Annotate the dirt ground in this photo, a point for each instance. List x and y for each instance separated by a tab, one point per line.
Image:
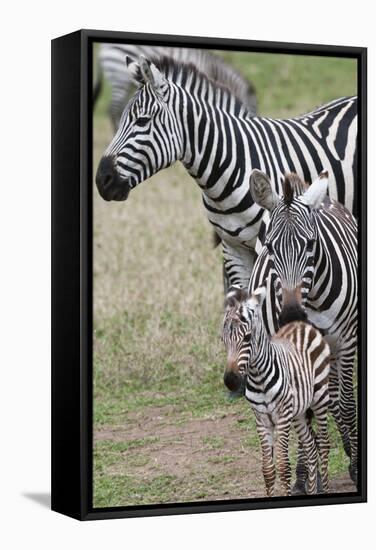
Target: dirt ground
192	453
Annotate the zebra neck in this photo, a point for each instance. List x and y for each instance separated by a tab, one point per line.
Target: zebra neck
262	352
216	152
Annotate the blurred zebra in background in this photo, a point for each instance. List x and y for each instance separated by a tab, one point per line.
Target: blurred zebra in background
286	377
309	264
111	64
178	113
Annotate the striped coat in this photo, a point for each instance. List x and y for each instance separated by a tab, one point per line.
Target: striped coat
309	264
286	376
179	114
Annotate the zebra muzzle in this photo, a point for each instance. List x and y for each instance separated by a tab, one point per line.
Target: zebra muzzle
232	379
292	309
109	185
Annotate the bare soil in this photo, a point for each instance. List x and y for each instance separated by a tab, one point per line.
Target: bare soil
208	457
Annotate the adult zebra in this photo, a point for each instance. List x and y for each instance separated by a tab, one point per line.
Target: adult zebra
111	58
309	263
178	113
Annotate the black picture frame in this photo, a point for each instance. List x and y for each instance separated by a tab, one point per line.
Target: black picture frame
72	316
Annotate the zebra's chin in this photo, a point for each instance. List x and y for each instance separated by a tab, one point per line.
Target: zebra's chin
115	195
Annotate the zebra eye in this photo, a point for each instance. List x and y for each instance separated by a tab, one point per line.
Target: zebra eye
247	338
142	120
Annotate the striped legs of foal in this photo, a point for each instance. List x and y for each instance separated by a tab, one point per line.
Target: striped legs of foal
322	441
268	469
307	440
282	433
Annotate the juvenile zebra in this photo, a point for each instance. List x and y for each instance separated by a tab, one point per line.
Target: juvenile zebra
286	377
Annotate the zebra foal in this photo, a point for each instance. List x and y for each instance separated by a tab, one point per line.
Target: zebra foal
286	377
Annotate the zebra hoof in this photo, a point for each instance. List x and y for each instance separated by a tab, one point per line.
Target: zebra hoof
299	487
353	471
319	487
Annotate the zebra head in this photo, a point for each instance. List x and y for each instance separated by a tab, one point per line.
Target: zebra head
240	332
148	138
291	236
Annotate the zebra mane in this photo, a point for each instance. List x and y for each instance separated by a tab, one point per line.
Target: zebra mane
187	74
292	186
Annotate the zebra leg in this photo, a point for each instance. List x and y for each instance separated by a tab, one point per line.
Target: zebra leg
282	453
226	280
323	447
268	469
239	262
299	487
347	407
334	407
306	437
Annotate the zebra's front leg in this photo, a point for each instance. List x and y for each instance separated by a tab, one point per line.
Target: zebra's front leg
299	487
282	453
323	445
347	407
301	471
238	264
307	440
268	469
334	406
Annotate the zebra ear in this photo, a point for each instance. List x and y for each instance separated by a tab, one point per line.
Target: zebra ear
134	70
234	296
317	191
143	71
152	75
261	190
257	297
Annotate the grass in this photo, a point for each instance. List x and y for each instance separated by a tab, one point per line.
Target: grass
164	427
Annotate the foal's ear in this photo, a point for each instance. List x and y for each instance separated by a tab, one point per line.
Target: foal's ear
234	296
144	71
317	191
261	190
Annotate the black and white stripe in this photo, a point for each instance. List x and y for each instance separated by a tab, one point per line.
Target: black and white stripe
111	63
286	377
309	263
178	113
